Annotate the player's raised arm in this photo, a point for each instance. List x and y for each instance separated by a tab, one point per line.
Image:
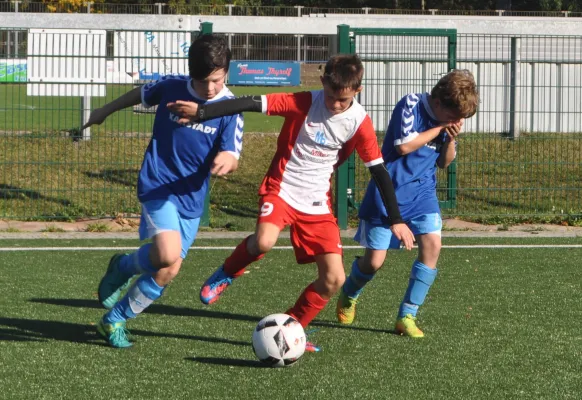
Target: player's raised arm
131	98
282	104
149	95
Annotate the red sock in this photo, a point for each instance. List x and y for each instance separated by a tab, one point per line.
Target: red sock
309	304
239	259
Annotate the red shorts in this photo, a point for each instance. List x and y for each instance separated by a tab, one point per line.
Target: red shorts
310	234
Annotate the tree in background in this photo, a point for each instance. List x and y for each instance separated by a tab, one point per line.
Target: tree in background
249	7
70	6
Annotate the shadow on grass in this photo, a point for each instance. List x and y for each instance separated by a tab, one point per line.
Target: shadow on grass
511	205
12	192
38	330
228	362
194	312
153	309
125	177
235	210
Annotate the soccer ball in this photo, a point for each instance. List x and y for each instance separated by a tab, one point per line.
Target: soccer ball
278	340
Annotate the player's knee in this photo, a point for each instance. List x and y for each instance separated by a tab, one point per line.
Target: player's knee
334	282
432	246
265	243
374	264
339	282
167	257
165	275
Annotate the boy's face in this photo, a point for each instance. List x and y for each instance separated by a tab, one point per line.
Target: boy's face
209	87
338	101
445	115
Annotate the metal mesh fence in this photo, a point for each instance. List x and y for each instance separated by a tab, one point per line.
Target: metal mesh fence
524	168
49	171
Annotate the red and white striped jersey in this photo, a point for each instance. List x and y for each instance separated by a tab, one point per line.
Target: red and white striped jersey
311	144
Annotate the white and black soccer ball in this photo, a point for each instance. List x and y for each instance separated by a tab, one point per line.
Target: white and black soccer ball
279	340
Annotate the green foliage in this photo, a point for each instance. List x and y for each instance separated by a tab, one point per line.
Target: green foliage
98	227
216	7
53	228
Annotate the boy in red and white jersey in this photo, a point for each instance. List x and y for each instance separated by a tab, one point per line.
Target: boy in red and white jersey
321	129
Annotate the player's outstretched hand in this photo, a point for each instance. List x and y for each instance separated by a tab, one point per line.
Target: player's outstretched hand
186	110
97	117
223	163
404	234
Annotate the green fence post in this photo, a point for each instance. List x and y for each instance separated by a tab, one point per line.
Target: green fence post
514	100
342	176
452	169
452	50
206	29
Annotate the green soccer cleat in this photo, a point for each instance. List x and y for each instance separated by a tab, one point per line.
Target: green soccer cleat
115	334
112	284
406	326
346	308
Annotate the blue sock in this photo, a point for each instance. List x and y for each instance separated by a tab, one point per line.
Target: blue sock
356	281
143	293
137	262
421	278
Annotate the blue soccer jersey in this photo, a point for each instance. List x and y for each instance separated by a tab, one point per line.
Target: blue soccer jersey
414	174
176	165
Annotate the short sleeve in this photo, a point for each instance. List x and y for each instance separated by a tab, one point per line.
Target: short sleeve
287	104
406	120
232	135
151	93
366	143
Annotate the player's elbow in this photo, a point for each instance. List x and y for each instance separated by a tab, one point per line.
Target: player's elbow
443	163
402	149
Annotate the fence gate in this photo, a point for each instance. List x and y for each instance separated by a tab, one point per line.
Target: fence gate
396	62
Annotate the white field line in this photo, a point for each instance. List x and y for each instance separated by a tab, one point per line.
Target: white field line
462	246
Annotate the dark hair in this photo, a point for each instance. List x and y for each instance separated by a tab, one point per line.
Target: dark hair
457	91
344	72
207	54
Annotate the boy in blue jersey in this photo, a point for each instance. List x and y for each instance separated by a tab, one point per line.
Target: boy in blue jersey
421	135
173	182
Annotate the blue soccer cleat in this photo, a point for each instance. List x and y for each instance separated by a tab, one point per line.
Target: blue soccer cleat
115	334
215	286
113	283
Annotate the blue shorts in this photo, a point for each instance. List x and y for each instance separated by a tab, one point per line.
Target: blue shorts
161	216
380	237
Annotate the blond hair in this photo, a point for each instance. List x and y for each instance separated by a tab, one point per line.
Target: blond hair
457	91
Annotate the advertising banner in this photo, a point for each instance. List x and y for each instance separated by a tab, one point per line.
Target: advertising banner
12	70
264	73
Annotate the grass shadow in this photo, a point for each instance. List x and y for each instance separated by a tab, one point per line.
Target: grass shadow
125	177
197	312
38	330
228	362
15	193
153	309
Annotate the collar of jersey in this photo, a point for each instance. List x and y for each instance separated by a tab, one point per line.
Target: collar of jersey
348	113
424	98
223	93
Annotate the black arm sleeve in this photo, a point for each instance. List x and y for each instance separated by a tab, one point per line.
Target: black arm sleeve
386	189
230	107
